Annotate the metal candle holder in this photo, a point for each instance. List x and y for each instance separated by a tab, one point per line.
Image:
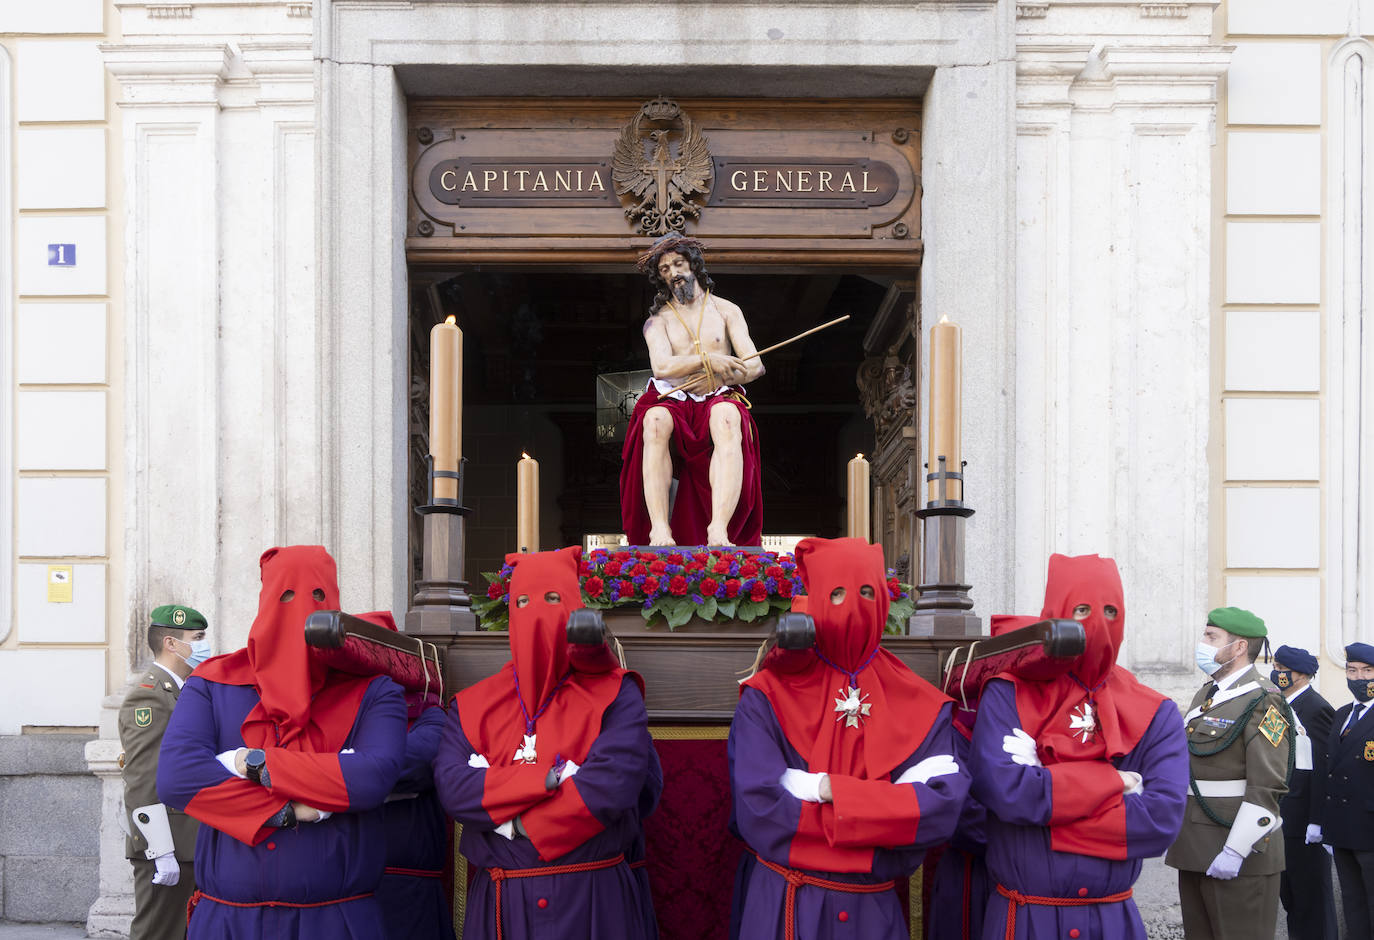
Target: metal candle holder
944	608
442	606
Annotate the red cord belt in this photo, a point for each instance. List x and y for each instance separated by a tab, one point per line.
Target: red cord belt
498	875
795	879
414	872
199	896
1016	899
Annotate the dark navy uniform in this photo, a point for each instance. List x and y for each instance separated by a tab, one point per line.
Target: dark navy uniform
1348	813
1305	888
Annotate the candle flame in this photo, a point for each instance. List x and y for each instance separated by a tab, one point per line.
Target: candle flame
858	456
524	456
944	318
450	320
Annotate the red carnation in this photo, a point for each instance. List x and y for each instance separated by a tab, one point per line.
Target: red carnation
721	567
732	587
647	556
612	569
785	587
496	589
593	586
773	571
701	557
623	556
650	586
678	586
759	592
749	569
894	588
638	571
627	588
675	558
657	567
694	566
708	587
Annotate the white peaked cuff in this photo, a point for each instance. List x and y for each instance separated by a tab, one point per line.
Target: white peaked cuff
1252	824
478	761
804	786
227	760
928	769
569	769
506	829
151	820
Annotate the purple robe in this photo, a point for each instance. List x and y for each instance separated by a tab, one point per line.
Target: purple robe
413	904
619	783
340	857
959	888
1018	800
766	817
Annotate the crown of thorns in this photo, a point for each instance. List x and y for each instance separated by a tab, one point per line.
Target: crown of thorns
647	261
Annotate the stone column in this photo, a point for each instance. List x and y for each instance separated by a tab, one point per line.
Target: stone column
114	907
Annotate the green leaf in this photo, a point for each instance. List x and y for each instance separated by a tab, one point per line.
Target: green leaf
726	609
679	612
749	611
707	610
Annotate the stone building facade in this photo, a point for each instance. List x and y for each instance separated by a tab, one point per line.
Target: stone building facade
1145	216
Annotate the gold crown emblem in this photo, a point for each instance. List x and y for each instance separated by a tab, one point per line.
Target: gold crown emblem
179	617
661	109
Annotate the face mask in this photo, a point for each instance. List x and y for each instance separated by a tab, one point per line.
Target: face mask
1206	658
1362	689
1283	678
200	652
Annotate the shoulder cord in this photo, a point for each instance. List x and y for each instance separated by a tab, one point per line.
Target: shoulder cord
1228	740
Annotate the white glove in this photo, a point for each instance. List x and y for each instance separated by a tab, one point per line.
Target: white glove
1314	834
936	766
1137	782
1021	747
227	759
804	786
569	768
478	761
168	871
507	830
323	815
1226	865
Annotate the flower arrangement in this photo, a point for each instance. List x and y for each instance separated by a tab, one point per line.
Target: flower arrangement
679	583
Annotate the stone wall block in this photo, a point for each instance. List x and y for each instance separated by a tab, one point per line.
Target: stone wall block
49	887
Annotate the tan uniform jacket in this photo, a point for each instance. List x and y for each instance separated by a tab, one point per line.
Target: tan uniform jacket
1254	757
142	720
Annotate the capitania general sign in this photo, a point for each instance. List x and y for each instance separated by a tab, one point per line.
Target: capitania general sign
667	167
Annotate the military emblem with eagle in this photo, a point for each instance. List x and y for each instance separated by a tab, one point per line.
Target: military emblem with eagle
661	183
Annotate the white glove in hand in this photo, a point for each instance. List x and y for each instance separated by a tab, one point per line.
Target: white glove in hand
1131	782
323	815
1021	747
1313	835
1226	865
569	768
168	871
804	786
478	761
507	829
228	760
931	767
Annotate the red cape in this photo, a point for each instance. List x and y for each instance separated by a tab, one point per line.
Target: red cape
1124	707
691	449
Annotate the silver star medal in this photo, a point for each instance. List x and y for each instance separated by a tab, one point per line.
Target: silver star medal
525	752
851	707
1083	722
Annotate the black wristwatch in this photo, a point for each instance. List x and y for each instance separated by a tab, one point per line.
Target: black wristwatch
255	766
285	818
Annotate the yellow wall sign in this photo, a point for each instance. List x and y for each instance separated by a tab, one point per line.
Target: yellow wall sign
59	584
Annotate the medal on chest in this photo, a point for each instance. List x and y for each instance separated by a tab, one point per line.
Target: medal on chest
1083	722
525	752
851	706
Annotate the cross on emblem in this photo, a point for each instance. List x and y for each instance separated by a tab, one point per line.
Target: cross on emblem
525	752
851	706
1083	721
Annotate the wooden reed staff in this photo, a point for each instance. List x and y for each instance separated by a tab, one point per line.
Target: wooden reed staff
814	329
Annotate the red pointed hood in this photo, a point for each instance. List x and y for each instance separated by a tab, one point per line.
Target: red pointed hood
544	591
1094	582
303	704
849	631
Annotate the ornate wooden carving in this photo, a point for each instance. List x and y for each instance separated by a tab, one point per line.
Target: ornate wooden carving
661	185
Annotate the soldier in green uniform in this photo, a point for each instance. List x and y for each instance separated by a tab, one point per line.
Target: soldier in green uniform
1240	742
161	842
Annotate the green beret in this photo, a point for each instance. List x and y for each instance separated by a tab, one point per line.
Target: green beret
178	617
1237	622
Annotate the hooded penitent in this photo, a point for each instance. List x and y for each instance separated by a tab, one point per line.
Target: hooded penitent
1097	711
303	705
539	693
866	734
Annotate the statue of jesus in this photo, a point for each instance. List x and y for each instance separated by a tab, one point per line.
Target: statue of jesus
703	434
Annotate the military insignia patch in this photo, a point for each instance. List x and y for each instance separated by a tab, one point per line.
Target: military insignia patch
1273	726
143	717
179	617
1369	750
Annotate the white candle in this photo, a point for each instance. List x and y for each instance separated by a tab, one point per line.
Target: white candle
446	404
859	497
945	391
527	504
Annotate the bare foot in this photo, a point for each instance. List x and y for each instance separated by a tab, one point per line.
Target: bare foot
662	536
718	535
